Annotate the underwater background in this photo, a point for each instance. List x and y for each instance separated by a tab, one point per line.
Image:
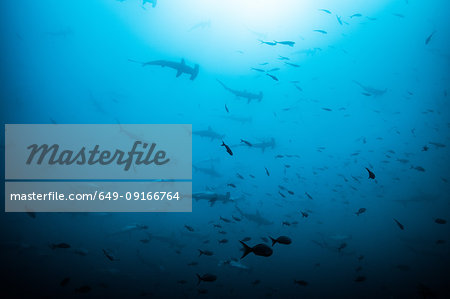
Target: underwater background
311	97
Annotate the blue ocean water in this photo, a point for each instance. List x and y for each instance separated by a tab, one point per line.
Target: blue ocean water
347	87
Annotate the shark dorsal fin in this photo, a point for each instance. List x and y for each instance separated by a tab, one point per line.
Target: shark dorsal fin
182	61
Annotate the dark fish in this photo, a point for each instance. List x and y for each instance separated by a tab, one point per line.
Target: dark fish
273	77
287	223
281	194
301	282
231	185
286	43
226	220
226	108
309	196
267	172
418	168
205	252
64	282
189	228
260	250
274	69
371	174
290	192
206	277
222	232
282	240
327	109
360	278
236	218
320	31
228	148
399	224
223	241
429	37
304	214
326	10
258	70
342	246
59	245
292	64
425	148
239	176
109	255
360	211
440	221
218	225
246	142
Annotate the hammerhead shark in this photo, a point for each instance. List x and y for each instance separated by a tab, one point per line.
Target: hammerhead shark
243	94
181	67
257	218
262	145
370	90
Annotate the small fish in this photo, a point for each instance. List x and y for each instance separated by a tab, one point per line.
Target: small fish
326	10
283	57
236	218
259	249
64	282
109	255
231	185
371	174
360	278
327	109
425	148
429	37
239	176
290	192
418	168
274	69
342	246
321	31
304	214
226	220
301	282
355	15
267	172
338	18
246	142
273	77
258	70
309	196
206	277
205	252
189	228
217	225
440	221
59	245
292	64
286	43
281	194
282	240
228	148
226	108
287	223
399	224
223	241
360	211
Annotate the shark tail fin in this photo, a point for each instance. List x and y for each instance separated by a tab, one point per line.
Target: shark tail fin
195	72
247	249
200	252
199	278
273	240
